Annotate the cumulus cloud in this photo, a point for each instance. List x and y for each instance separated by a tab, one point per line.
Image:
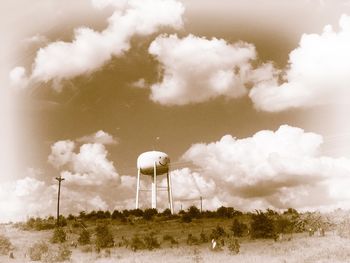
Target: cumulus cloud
18	77
90	49
90	166
98	137
61	153
318	72
196	69
270	169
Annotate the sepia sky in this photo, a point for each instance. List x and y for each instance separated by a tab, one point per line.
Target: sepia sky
249	100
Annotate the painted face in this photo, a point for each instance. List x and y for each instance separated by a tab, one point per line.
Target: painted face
163	160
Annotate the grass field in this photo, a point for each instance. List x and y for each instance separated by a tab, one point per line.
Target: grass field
295	248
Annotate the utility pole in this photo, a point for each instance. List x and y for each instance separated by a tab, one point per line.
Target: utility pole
201	203
59	179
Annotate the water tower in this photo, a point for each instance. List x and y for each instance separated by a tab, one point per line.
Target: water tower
154	164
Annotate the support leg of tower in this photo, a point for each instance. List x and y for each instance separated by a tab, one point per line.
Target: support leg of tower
138	188
170	193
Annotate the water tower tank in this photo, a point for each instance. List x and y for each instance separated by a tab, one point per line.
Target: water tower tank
147	160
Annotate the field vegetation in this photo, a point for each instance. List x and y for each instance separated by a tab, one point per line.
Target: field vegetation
208	236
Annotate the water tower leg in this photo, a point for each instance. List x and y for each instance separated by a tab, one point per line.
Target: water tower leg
137	188
154	187
170	193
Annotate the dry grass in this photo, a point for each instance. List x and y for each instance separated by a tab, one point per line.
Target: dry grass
301	248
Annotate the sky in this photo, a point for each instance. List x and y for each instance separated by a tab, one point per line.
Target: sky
249	100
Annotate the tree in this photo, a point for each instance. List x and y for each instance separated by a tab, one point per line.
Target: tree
194	212
238	228
262	226
149	213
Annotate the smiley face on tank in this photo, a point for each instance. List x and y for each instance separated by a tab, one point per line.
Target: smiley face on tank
146	160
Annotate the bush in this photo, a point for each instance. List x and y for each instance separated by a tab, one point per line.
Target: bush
150	213
151	241
5	245
192	240
238	228
233	246
84	237
64	253
203	237
37	251
137	243
218	232
262	226
166	212
186	218
104	237
59	235
194	212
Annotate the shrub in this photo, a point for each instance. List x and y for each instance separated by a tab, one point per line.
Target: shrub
194	212
136	212
37	251
192	240
150	213
233	246
5	245
284	225
203	237
166	212
59	235
151	241
186	218
104	237
218	232
64	253
262	226
137	243
84	237
116	215
238	228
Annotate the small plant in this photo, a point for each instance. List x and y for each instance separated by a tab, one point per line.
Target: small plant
64	253
203	237
37	251
137	243
150	213
104	237
218	232
233	246
192	240
5	245
59	235
151	241
238	228
170	238
186	218
84	237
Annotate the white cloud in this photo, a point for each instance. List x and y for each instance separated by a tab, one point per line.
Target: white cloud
98	137
90	49
270	169
91	167
141	84
61	153
18	77
197	69
190	185
318	72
